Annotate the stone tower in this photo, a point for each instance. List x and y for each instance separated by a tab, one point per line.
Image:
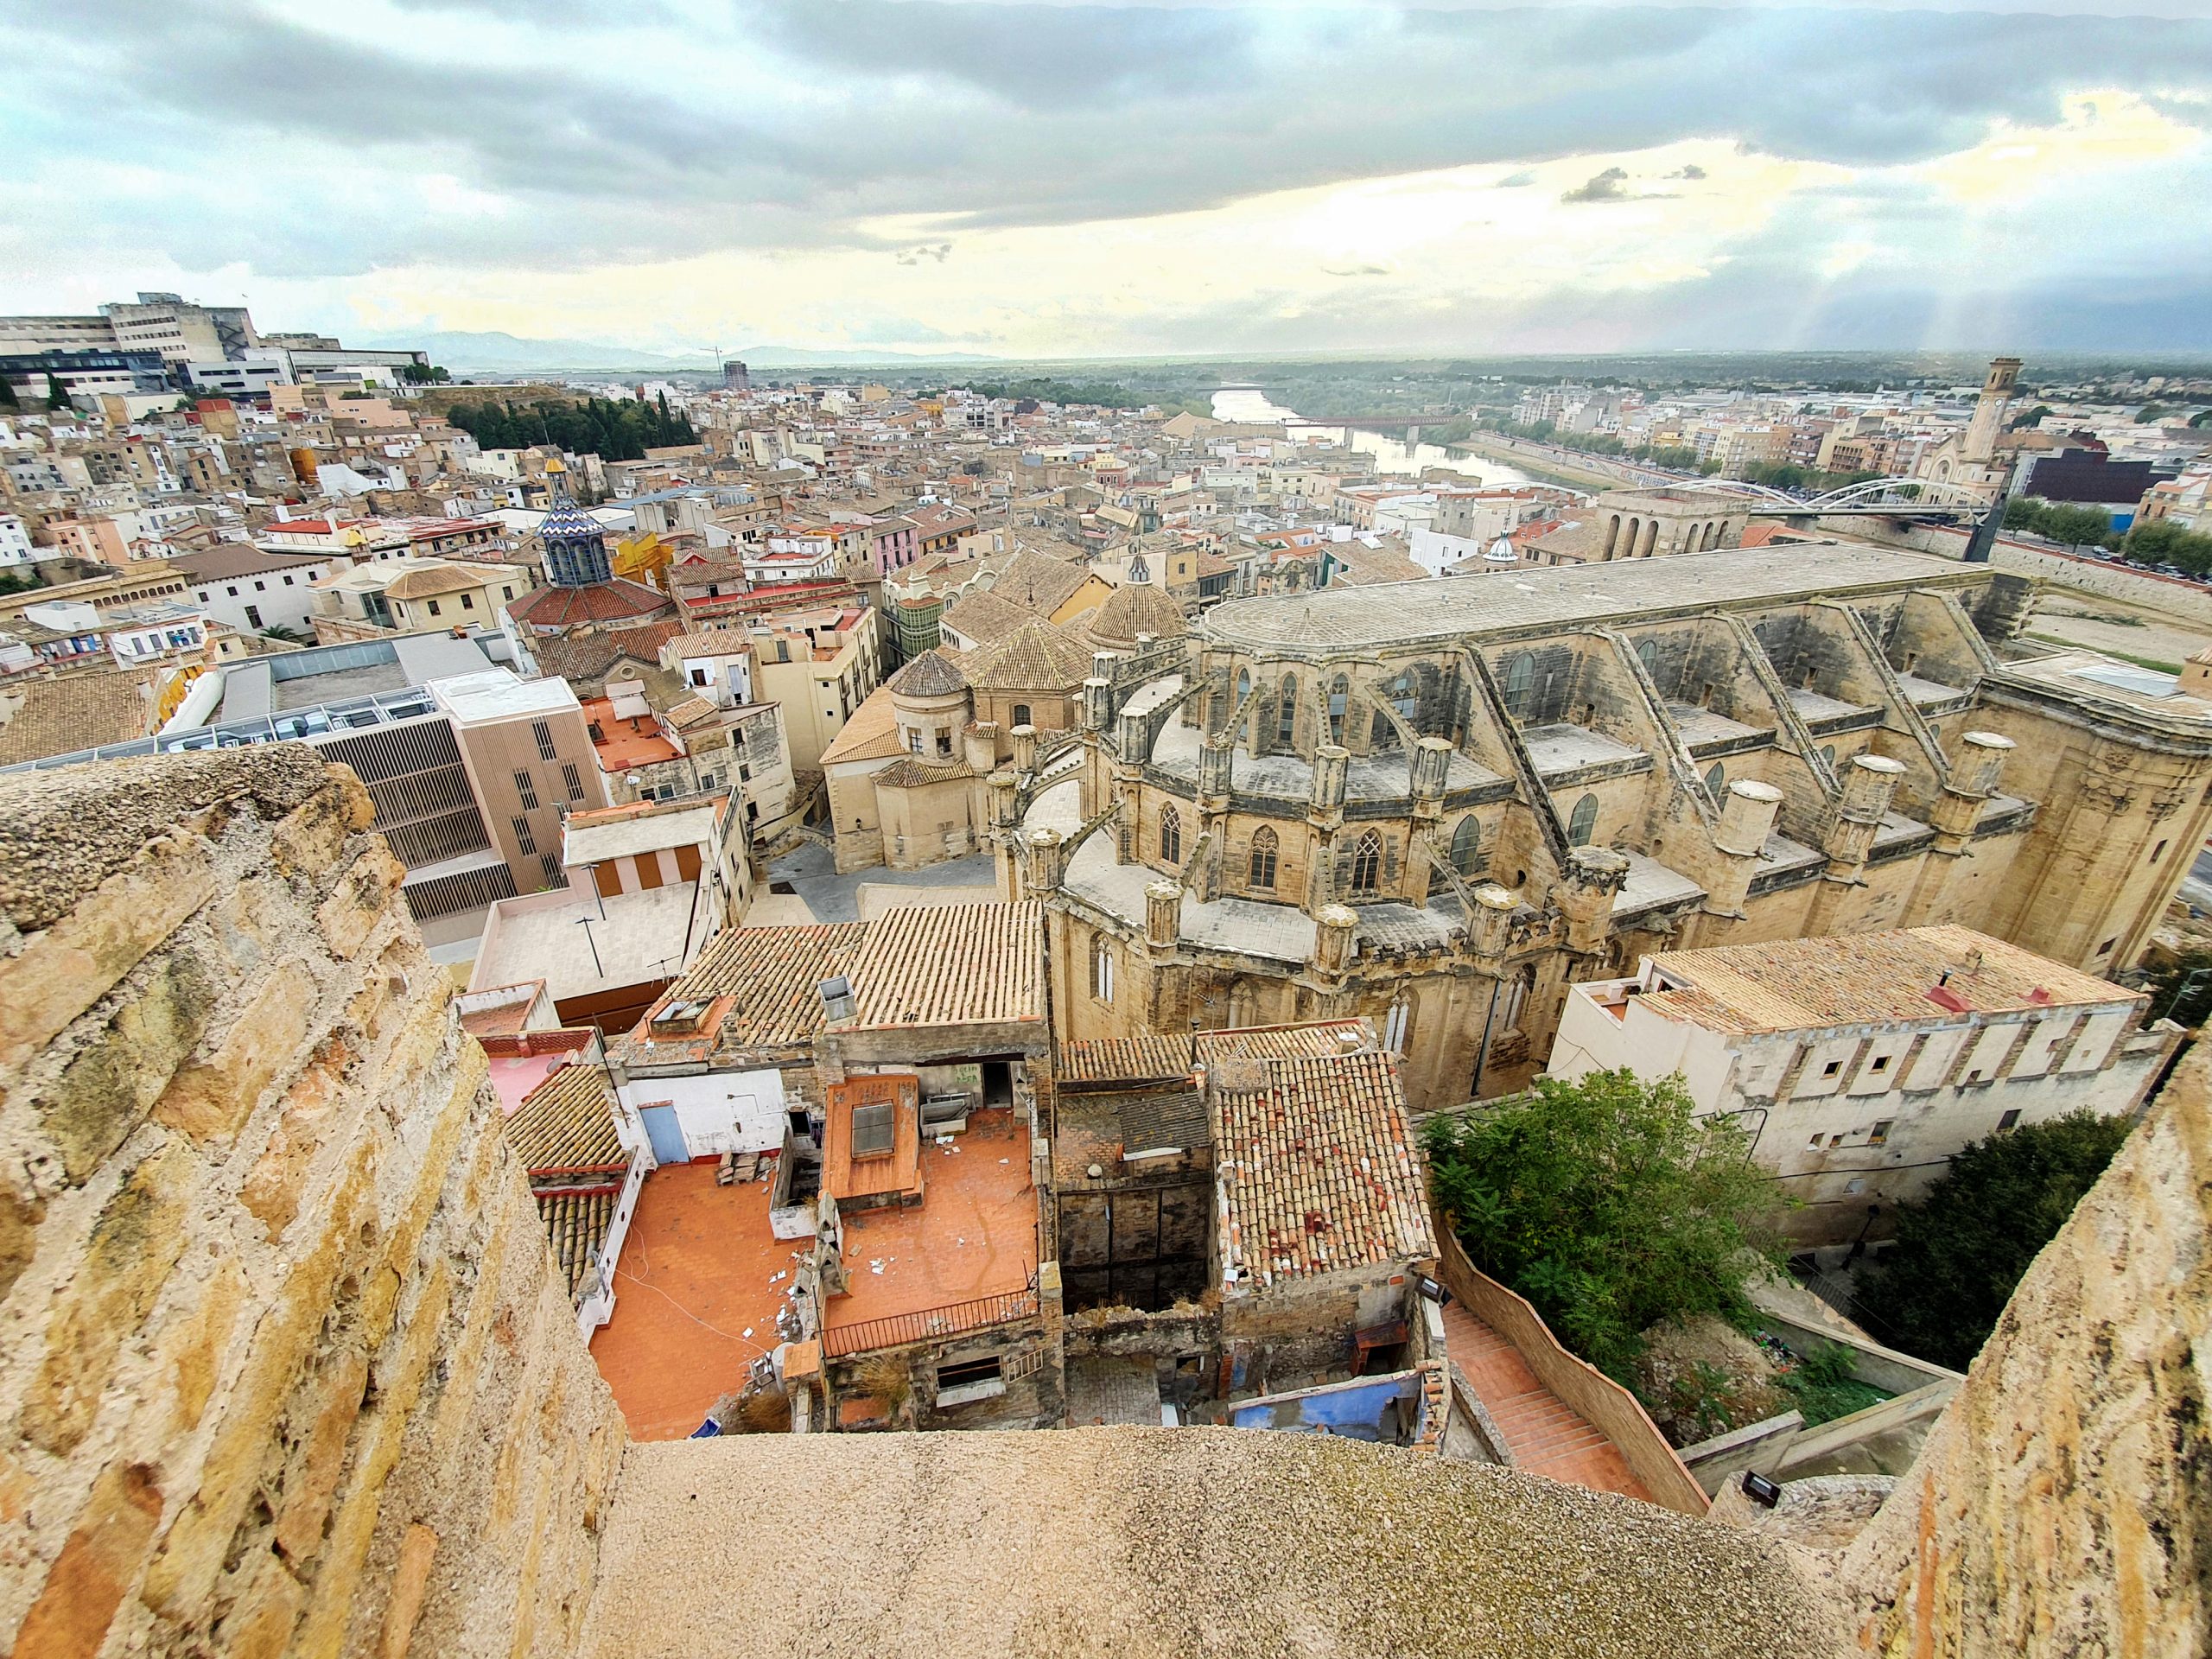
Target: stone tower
1989	409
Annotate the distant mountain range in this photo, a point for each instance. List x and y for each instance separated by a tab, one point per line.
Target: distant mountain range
467	352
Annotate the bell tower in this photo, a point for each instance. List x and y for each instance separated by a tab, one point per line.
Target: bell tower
575	545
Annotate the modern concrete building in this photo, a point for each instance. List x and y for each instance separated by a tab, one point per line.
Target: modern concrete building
1861	1065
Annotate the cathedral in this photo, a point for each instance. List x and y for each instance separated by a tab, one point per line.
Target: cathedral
1439	807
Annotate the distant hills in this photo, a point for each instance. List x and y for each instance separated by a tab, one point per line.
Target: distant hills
465	352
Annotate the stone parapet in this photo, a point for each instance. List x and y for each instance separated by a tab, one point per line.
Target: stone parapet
287	1366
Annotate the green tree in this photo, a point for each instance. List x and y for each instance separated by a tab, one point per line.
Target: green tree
1939	1289
56	395
1608	1204
2150	412
2180	990
7	393
2033	418
2163	541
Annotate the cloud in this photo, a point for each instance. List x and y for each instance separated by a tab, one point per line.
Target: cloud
406	158
1601	187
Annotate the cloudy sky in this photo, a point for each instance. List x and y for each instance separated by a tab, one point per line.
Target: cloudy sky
1059	180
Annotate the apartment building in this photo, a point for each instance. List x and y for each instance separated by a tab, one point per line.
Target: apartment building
528	751
1863	1065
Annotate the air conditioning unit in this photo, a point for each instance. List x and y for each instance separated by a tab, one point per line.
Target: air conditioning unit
945	1114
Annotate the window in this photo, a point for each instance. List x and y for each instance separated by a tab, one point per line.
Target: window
2105	950
1339	695
468	601
1827	752
574	780
1881	1064
525	842
253	616
1584	824
527	787
543	734
1397	1026
1467	846
970	1380
1170	835
915	741
232	592
1716	780
260	587
1101	971
506	593
1243	684
872	1129
944	742
1021	714
1832	1068
1647	652
1262	872
433	607
1520	679
2008	1119
288	582
2157	852
1367	864
1814	1143
1286	711
1880	1133
551	868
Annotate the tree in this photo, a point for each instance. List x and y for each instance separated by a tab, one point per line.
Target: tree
2161	541
2150	412
1607	1203
1960	1250
7	393
56	395
2028	422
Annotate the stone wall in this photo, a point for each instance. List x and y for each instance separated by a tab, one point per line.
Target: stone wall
284	1367
2063	1504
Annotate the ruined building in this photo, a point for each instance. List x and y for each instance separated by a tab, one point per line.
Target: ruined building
290	1367
1439	806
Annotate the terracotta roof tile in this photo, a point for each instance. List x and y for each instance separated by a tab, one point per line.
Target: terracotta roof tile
1317	1168
1035	657
952	964
567	1124
577	1223
1153	1057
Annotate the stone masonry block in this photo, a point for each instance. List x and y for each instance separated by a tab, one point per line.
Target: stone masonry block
107	1091
279	1176
260	1623
133	1247
64	970
313	836
364	893
210	1098
90	1577
19	1220
312	1482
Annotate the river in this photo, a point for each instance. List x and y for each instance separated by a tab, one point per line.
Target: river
1249	405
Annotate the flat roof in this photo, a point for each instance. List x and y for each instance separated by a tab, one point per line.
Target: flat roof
1559	596
594	943
1868	979
500	694
634	833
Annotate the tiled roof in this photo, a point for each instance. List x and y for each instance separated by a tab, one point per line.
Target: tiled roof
1316	1038
1035	657
577	1221
983	616
1126	1059
428	582
932	673
229	560
70	712
566	1123
1133	608
871	735
951	964
1317	1168
1038	582
602	601
710	642
1154	1119
1868	978
910	771
774	975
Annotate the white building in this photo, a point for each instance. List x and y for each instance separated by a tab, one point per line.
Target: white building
1862	1064
15	547
242	587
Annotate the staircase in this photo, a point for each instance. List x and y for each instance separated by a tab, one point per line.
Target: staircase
1542	1435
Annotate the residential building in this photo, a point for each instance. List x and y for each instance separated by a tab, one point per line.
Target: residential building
242	587
407	594
1861	1065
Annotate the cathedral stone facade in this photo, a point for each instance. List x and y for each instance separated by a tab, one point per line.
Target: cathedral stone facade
1439	804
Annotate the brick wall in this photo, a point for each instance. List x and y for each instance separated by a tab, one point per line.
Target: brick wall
286	1367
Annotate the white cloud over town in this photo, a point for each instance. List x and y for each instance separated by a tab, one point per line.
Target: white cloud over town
1033	180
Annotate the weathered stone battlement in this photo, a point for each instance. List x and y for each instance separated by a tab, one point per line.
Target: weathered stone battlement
283	1366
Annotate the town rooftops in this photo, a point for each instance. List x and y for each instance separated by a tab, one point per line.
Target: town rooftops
1316	1167
1866	979
981	615
1152	1058
1406	614
951	964
1037	656
1038	582
227	561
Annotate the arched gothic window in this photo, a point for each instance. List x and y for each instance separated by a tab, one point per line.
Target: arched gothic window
1716	780
1170	835
1647	652
1287	711
1263	873
1243	684
1520	679
1367	865
1339	695
1467	846
1584	824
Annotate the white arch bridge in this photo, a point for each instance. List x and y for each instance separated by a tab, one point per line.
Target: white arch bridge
1894	498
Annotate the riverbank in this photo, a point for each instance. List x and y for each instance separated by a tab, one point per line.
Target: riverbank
1540	464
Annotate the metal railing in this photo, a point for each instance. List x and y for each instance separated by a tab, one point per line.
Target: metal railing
897	1329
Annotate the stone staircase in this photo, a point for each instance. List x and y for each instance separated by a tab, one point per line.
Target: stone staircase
1543	1435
